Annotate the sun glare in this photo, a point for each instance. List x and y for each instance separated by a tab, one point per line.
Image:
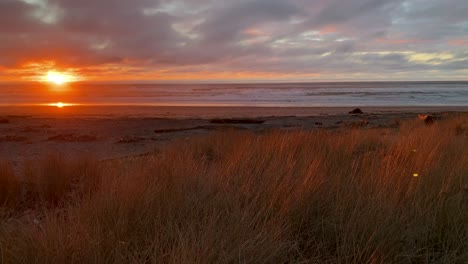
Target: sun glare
60	104
58	78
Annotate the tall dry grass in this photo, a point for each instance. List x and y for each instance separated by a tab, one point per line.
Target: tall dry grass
237	197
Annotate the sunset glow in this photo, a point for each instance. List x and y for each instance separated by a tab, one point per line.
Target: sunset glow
58	78
229	41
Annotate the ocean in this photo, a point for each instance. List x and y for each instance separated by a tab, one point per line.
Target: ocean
339	94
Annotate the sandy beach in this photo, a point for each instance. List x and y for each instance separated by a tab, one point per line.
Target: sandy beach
307	185
104	132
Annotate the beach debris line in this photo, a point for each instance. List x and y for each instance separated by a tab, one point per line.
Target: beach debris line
236	121
356	111
220	128
130	139
30	129
72	138
170	130
14	138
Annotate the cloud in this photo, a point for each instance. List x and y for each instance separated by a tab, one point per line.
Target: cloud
117	39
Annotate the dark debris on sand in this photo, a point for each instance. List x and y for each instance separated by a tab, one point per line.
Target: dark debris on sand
73	138
13	138
356	111
34	129
208	128
237	121
429	120
130	139
170	130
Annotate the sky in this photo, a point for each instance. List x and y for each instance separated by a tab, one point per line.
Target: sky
234	40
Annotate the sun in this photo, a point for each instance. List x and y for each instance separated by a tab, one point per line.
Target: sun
58	78
59	104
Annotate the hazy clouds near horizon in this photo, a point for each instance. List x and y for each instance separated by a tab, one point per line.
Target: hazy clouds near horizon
352	39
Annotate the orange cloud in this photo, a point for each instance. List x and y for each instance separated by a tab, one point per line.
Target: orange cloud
253	32
459	42
329	29
398	41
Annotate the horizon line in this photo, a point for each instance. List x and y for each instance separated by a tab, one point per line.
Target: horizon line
179	82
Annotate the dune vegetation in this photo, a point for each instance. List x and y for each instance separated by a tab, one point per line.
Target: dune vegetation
386	195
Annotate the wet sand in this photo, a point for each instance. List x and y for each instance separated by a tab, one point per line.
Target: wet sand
28	133
131	111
